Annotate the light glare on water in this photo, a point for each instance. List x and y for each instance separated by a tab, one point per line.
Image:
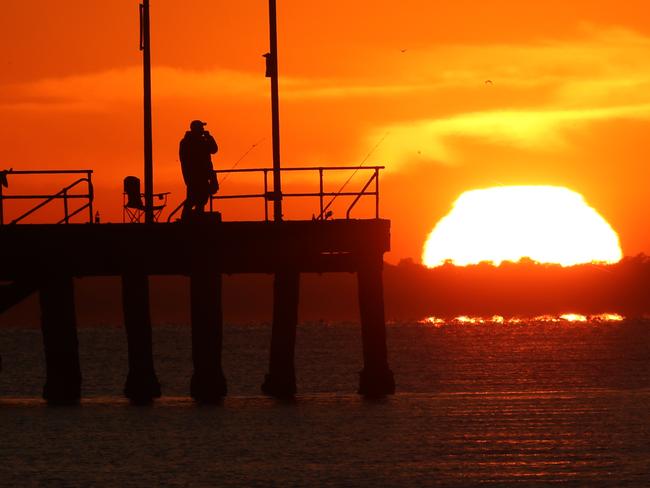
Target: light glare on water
499	319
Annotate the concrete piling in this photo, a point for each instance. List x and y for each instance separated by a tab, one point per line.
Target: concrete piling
281	379
376	378
208	383
59	327
142	384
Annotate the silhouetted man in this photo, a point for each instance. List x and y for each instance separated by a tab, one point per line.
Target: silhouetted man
195	153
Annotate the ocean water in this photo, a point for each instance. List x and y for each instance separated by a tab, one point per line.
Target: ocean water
496	404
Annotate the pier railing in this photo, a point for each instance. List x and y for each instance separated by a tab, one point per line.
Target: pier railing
325	198
65	194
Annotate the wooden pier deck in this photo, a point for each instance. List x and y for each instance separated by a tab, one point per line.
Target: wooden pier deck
32	251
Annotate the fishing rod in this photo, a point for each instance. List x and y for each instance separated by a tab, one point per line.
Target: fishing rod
338	193
250	149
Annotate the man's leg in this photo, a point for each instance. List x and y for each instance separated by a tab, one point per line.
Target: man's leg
187	206
200	202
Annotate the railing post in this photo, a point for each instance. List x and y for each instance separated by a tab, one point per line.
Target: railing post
91	197
65	206
320	172
2	210
376	193
266	191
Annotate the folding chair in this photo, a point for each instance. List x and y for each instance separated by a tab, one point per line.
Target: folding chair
132	206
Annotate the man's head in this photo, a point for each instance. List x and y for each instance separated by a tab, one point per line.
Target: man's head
196	126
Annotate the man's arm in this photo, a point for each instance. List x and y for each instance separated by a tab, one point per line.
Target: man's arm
211	144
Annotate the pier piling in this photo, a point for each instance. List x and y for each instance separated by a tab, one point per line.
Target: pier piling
376	378
281	380
142	385
59	327
208	383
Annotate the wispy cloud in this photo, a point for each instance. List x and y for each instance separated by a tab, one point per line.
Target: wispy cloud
98	91
537	130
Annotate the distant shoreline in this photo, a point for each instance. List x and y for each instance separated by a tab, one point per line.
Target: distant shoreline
412	292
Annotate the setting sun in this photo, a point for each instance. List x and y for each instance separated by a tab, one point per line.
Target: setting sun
544	223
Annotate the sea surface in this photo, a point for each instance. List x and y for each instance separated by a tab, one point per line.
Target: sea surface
527	404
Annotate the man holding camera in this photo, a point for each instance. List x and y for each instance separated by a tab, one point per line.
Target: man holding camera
195	153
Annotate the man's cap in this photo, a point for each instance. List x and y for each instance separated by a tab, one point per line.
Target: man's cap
197	124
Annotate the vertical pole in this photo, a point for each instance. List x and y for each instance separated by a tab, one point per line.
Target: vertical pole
142	385
208	381
376	378
59	327
281	380
275	109
145	47
320	172
2	209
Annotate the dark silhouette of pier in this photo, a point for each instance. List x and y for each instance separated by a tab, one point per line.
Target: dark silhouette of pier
45	258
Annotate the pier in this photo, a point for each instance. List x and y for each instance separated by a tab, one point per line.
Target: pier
44	258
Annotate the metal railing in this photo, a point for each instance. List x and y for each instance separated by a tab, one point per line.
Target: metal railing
63	194
368	190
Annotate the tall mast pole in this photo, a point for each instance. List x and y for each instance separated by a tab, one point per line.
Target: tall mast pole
272	72
145	47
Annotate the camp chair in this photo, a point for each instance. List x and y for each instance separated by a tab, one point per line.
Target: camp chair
133	207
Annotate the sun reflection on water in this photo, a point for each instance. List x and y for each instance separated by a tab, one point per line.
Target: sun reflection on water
574	317
501	320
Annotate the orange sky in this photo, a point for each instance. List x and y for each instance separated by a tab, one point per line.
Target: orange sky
569	104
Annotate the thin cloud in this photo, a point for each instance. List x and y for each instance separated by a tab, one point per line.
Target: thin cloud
98	91
533	129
